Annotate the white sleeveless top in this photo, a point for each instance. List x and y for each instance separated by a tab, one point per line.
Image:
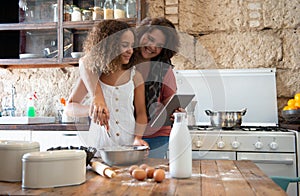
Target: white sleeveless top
119	100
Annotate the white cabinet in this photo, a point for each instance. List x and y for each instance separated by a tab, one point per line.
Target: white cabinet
15	135
49	139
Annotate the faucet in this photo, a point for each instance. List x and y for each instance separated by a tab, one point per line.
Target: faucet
10	110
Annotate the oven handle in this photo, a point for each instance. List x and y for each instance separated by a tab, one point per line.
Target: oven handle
286	162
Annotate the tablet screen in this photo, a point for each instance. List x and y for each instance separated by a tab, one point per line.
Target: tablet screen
163	116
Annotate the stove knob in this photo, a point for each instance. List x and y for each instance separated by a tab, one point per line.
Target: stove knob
198	143
258	145
221	144
235	144
273	145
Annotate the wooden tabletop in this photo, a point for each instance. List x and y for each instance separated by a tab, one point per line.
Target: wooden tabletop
210	177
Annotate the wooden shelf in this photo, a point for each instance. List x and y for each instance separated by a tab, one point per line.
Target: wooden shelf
28	26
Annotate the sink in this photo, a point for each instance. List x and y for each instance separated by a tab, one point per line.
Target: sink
9	120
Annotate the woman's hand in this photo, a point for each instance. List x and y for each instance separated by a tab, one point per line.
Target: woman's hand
177	110
138	141
99	113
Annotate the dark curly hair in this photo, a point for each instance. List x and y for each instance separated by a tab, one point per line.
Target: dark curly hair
167	27
102	46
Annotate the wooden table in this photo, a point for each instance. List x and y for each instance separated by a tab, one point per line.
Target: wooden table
210	177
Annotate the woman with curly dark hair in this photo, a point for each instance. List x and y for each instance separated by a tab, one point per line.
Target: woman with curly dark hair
158	43
108	53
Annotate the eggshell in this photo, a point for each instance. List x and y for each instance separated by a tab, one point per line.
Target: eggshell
150	171
144	166
131	168
159	175
139	174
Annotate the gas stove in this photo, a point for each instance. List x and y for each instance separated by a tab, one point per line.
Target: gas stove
273	149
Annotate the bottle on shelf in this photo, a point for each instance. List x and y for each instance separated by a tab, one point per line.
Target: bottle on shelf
98	10
108	9
76	14
180	148
119	9
67	12
131	9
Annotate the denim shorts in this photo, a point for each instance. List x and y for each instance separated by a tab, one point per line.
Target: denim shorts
158	146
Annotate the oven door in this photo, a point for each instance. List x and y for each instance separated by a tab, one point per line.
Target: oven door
221	155
275	164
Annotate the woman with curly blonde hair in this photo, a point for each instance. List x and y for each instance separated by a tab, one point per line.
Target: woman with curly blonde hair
108	52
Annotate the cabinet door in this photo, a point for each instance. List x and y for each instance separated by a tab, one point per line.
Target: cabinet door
27	28
15	135
49	139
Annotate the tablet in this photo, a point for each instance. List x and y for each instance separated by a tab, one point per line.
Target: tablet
176	101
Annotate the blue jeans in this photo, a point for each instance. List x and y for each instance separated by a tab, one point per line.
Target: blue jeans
158	146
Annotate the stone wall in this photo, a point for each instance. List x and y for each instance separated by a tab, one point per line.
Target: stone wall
214	34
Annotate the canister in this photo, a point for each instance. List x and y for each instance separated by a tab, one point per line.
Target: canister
11	153
53	168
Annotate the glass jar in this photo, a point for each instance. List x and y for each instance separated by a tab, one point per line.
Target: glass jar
119	9
86	15
76	14
98	13
67	12
131	8
108	9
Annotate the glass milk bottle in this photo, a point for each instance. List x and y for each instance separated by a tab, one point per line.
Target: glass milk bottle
180	148
108	9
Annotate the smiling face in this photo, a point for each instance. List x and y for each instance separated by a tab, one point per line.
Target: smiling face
126	46
151	43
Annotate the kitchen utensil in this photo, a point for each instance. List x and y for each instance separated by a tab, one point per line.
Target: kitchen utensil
291	116
226	119
123	155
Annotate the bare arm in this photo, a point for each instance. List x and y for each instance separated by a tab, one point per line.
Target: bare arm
140	110
98	109
74	106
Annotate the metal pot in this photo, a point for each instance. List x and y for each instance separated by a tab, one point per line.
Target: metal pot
226	119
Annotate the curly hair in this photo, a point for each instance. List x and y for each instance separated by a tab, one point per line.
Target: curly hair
167	27
102	46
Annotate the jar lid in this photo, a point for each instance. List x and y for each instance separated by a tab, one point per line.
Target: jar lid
15	144
54	155
86	11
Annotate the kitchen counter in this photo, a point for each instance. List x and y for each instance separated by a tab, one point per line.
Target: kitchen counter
210	177
47	127
291	126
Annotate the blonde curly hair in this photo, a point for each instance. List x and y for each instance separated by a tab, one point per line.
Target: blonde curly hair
102	46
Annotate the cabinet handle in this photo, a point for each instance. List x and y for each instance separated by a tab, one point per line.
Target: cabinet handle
69	134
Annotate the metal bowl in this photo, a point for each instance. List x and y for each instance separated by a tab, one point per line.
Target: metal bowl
123	155
291	116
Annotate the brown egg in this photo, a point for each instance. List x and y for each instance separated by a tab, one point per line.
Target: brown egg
150	171
131	168
144	166
159	175
139	174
